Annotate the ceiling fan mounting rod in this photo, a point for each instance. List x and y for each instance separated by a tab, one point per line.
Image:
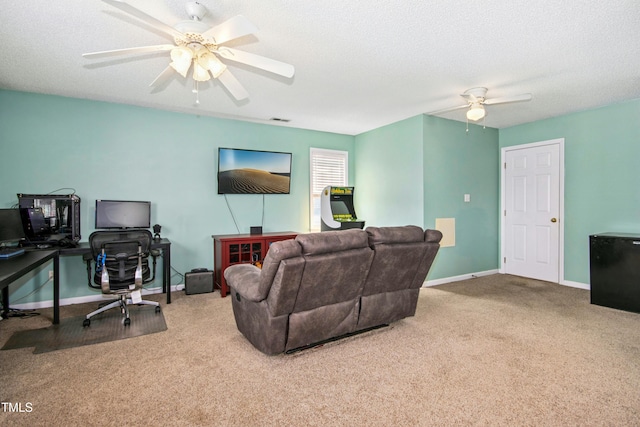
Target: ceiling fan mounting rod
195	10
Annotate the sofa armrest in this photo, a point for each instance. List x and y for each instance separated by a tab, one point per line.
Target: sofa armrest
432	236
245	280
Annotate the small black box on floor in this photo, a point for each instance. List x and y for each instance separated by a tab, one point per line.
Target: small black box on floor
198	281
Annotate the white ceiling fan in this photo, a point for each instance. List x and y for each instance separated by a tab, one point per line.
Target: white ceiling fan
199	47
476	100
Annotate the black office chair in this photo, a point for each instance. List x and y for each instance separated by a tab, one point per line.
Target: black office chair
121	267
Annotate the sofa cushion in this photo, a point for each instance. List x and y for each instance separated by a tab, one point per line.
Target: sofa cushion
432	236
332	241
404	234
403	257
329	278
243	278
278	251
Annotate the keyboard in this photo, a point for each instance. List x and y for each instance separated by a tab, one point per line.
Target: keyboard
10	252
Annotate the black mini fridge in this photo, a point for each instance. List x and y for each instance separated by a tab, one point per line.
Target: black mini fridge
615	270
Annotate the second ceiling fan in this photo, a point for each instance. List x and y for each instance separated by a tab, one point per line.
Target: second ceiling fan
476	100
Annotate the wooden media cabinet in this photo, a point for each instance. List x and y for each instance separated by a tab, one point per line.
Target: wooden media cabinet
233	249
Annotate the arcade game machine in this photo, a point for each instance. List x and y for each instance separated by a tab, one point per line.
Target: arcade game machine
336	209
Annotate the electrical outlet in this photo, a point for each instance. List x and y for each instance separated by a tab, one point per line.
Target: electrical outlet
50	274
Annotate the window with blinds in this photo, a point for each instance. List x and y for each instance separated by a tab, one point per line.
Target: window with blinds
328	167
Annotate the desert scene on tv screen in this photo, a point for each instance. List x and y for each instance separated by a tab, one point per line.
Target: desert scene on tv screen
252	181
249	172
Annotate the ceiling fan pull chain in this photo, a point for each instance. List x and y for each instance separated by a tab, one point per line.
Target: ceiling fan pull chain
196	91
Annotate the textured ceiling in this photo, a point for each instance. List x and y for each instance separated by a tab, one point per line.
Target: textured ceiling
360	64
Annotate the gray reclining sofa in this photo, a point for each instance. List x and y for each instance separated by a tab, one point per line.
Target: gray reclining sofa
321	286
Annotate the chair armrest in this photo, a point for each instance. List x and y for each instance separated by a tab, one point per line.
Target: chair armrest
245	280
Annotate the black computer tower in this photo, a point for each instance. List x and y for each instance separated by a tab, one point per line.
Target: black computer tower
50	216
615	270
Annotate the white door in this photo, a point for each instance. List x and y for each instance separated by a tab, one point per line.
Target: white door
532	210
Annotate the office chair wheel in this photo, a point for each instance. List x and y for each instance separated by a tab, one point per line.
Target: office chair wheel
127	322
157	309
87	322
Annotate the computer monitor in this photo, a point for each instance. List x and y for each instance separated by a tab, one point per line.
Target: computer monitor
11	230
122	214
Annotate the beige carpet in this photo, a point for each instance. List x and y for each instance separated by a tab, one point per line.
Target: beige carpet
497	350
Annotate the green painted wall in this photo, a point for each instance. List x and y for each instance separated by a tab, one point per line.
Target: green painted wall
112	151
389	180
410	172
419	169
457	162
602	184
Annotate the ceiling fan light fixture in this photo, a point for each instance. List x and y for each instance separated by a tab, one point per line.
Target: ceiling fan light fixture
200	74
210	62
181	58
475	112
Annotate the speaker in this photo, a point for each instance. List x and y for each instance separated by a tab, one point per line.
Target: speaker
255	230
198	281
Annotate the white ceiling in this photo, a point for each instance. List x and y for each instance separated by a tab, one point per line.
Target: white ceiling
360	64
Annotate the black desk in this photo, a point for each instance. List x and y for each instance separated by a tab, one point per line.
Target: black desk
163	244
14	268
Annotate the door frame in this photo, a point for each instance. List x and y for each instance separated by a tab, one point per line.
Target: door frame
503	153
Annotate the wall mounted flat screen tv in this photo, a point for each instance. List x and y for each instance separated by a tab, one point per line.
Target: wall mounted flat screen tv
253	172
122	214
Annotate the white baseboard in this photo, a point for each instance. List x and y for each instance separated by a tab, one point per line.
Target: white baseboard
437	282
81	300
576	285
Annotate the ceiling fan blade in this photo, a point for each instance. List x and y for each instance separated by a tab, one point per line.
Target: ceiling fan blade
129	51
476	94
162	77
469	97
508	99
257	61
230	29
446	110
233	85
159	25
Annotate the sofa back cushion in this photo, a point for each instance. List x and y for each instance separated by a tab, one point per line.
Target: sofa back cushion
402	258
332	241
336	265
278	251
391	235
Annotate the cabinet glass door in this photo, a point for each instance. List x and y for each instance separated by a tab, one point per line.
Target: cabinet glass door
234	253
